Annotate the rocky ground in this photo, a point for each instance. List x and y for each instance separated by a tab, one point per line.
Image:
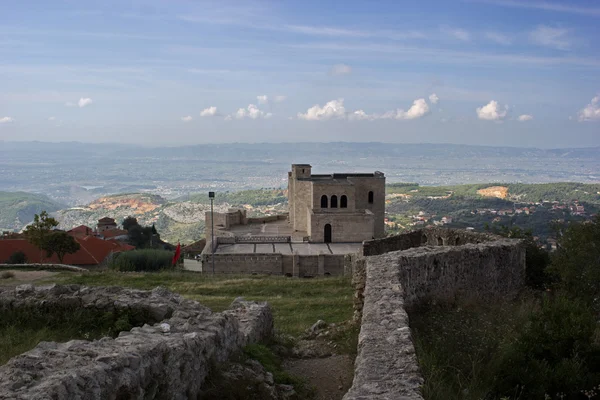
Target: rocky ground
321	372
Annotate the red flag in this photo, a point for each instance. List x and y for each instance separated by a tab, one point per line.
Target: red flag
177	254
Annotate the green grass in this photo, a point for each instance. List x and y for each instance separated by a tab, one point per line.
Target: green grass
22	329
457	344
296	303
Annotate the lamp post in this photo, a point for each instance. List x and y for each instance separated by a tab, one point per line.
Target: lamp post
211	196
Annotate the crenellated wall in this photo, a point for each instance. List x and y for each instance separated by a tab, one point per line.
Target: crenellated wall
167	359
399	271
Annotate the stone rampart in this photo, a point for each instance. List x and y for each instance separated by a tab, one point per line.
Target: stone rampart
167	359
430	236
386	366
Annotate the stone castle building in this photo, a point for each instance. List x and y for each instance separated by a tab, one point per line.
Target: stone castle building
338	207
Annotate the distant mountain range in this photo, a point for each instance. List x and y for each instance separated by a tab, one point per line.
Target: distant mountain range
285	151
73	174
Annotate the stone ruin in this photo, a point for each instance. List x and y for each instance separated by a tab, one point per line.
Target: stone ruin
169	357
399	271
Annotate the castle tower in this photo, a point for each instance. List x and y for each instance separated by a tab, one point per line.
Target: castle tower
336	207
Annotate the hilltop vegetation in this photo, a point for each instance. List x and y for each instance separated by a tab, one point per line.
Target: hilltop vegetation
530	192
180	220
484	206
183	219
17	209
255	198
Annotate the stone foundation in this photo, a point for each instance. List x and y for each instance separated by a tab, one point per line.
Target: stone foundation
169	359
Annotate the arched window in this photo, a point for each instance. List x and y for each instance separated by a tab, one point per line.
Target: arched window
371	197
334	201
343	202
323	201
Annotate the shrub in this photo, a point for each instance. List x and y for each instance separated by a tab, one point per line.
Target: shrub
142	260
7	275
553	352
18	257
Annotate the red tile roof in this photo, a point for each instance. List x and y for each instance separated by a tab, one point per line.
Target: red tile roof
93	251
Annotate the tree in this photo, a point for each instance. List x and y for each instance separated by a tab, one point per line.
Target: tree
18	257
61	243
576	261
38	231
129	222
140	236
41	234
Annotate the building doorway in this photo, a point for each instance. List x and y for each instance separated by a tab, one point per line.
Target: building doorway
327	236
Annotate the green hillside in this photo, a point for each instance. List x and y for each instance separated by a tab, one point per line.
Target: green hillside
18	208
256	197
527	192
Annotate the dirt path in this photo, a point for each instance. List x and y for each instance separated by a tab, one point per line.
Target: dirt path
21	277
330	376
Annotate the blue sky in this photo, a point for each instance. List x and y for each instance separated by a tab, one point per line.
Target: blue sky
487	72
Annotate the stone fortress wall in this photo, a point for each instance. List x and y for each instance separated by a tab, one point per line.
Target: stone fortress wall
169	357
399	271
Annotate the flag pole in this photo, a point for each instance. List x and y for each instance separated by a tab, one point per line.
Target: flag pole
211	195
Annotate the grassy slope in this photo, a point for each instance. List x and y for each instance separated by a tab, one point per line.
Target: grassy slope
18	208
297	303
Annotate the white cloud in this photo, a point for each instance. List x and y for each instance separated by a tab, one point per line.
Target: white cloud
360	115
209	112
433	98
84	102
457	33
341	69
492	112
525	117
591	112
498	38
333	109
550	37
417	110
52	119
5	120
187	118
251	112
280	98
264	99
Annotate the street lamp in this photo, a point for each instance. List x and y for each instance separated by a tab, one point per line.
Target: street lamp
211	196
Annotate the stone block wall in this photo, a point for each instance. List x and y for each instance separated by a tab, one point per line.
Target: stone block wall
344	227
364	185
430	236
418	269
169	359
265	263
